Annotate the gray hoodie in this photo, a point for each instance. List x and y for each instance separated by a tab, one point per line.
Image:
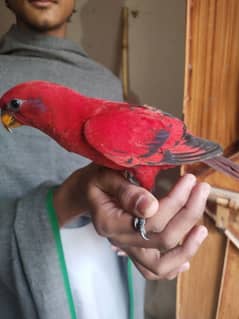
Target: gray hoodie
33	281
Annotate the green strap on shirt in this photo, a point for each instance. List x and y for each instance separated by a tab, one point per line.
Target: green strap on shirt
55	229
130	288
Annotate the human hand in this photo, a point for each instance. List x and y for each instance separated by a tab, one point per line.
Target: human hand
107	195
113	203
174	234
174	223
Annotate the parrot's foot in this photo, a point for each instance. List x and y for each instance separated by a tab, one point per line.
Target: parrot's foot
139	225
130	177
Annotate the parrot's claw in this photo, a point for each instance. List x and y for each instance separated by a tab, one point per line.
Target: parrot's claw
139	225
130	177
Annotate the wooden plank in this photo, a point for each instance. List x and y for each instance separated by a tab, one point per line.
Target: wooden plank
228	301
223	277
211	110
211	105
198	289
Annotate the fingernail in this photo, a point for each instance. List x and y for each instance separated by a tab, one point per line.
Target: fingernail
192	178
206	189
146	206
121	253
184	267
203	232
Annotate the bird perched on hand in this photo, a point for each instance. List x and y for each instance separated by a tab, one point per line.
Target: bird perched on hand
139	139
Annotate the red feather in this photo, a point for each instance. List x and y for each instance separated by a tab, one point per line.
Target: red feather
140	139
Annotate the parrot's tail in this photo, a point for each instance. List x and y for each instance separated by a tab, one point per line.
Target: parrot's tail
224	165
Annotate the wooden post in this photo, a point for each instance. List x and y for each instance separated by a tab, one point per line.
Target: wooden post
125	52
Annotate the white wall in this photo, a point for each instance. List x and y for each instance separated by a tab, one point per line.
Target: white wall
156	45
157	52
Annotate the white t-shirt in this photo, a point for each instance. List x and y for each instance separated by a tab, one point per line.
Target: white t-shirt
98	286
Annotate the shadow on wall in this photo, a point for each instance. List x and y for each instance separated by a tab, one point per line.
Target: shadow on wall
101	31
7	18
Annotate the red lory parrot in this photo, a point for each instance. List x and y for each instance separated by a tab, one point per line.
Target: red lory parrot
141	140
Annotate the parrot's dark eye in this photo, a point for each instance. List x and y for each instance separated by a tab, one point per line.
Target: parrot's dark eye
14	105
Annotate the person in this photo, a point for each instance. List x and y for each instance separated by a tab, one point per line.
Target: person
54	262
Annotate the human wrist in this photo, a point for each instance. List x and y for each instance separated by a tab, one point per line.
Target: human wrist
64	206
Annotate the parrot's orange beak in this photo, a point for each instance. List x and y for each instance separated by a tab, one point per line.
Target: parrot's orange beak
9	121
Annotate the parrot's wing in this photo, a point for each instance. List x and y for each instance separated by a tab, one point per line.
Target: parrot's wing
191	149
140	136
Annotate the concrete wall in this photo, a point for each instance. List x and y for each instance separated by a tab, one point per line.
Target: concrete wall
156	59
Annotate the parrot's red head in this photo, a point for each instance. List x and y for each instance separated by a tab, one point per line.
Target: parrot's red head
22	105
26	104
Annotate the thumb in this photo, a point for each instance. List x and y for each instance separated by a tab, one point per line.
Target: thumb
138	201
132	198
